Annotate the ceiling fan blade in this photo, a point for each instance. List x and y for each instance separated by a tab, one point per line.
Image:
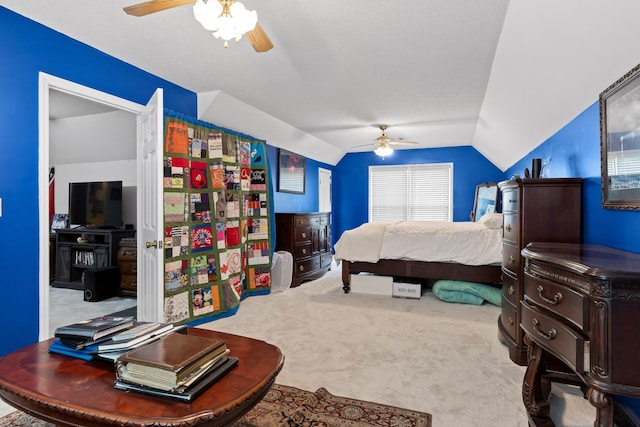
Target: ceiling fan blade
153	6
259	39
402	143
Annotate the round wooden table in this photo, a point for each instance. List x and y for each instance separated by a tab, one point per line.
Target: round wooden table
67	391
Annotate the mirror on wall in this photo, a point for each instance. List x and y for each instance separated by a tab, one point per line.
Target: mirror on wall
620	142
486	200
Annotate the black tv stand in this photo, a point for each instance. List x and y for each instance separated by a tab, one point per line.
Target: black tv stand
83	248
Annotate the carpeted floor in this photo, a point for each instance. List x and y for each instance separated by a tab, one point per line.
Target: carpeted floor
293	407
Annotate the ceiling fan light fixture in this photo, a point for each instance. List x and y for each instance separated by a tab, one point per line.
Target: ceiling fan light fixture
227	19
383	150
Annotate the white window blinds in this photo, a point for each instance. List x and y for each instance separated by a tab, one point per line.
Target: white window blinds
411	192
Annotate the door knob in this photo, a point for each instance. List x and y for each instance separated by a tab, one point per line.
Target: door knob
153	244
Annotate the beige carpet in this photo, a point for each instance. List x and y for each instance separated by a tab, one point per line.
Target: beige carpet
427	355
292	407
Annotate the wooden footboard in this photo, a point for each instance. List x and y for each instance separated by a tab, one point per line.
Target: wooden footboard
491	274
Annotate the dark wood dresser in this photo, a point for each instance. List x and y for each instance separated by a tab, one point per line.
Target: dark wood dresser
580	313
128	265
307	236
543	210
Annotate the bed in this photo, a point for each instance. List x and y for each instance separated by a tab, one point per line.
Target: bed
461	251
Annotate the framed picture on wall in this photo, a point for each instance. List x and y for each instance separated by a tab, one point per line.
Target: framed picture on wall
291	172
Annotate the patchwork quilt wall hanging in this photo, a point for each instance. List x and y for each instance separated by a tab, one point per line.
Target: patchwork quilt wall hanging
216	220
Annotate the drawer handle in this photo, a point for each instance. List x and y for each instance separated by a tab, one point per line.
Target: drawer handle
511	290
301	268
134	269
304	235
556	298
304	251
510	322
507	227
513	200
546	335
511	259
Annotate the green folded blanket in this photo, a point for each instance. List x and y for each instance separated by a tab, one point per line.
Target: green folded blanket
466	292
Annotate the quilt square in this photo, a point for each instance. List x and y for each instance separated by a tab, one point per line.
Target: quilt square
257	229
201	238
175	207
258	253
259	277
229	149
200	207
216	175
177	138
232	177
175	275
232	205
258	180
221	235
255	204
205	300
199	270
176	241
199	148
198	175
215	145
245	152
176	308
257	155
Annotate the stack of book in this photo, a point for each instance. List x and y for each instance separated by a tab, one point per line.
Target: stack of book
177	366
106	337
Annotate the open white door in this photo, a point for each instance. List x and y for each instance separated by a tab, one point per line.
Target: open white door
324	190
150	222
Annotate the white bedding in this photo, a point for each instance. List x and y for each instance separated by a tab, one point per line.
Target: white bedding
470	243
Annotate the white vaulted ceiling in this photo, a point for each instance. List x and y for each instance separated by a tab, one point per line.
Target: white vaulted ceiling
499	75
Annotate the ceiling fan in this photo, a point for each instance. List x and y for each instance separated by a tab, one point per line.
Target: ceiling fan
228	19
383	143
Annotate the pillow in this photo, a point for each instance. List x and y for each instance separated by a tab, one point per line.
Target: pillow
466	292
491	220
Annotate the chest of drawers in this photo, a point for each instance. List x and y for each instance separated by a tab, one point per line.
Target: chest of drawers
581	307
549	210
307	236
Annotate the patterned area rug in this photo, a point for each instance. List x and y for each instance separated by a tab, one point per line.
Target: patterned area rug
292	407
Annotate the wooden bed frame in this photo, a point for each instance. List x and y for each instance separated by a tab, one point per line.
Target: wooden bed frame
490	274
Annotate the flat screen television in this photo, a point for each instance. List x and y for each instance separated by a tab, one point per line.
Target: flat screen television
95	204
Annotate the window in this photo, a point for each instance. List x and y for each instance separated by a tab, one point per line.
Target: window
411	192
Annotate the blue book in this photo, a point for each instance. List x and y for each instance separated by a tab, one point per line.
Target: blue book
87	353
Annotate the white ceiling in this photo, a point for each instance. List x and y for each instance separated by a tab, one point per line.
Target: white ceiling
499	75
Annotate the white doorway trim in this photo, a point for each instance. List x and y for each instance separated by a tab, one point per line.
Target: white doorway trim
46	82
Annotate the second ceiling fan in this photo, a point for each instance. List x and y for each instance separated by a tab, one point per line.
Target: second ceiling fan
383	144
227	19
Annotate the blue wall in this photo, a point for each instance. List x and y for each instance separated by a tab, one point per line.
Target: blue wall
28	48
351	181
575	152
288	202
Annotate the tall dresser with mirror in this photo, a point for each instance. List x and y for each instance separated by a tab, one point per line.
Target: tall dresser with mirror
534	210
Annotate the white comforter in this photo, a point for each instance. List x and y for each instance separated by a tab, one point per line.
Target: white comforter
470	243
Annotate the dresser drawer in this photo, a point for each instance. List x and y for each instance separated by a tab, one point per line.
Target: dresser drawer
302	251
325	259
559	299
510	200
555	336
510	257
509	319
303	221
511	229
510	287
303	234
307	266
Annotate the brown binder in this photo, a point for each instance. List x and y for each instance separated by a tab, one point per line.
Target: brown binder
171	359
173	352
